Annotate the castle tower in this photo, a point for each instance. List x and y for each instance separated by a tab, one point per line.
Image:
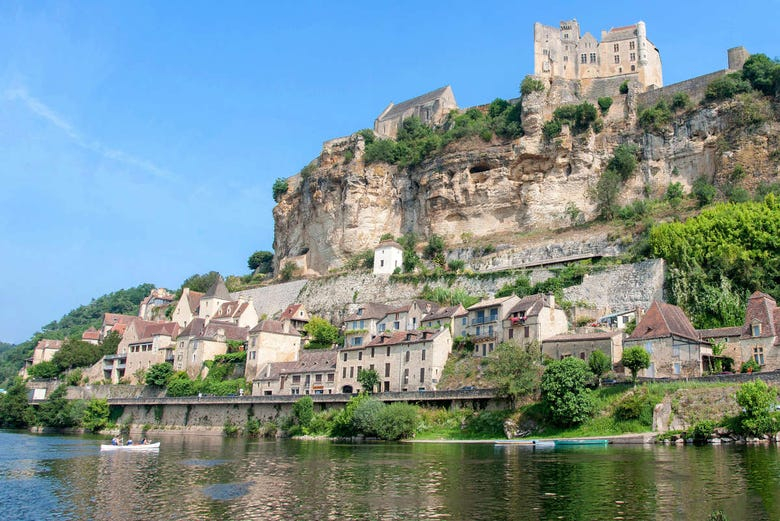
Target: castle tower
737	58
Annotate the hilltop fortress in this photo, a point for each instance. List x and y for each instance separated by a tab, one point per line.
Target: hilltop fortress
492	188
625	52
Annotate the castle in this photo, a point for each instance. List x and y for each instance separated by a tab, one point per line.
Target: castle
561	52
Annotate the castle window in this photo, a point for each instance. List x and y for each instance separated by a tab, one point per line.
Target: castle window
565	58
633	57
545	52
593	57
617	58
633	68
565	36
616	47
631	45
583	58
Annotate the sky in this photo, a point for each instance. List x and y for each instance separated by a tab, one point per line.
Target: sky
139	140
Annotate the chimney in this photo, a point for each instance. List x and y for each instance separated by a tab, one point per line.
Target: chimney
551	299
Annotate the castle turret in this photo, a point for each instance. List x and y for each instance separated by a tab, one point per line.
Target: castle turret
641	36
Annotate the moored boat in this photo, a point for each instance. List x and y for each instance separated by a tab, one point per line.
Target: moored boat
564	443
139	448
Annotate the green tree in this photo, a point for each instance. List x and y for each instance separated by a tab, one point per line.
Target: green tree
514	370
159	374
365	418
635	359
434	247
531	84
57	411
44	370
15	411
279	188
762	73
703	191
757	400
95	415
624	160
565	393
322	334
200	283
110	343
261	261
76	353
607	192
303	411
674	194
368	379
599	364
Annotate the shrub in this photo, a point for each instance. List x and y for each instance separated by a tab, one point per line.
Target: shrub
531	84
303	411
681	101
434	247
342	421
654	119
726	87
396	421
738	195
757	399
308	170
564	391
288	271
604	104
751	366
158	374
623	89
703	191
365	418
674	194
179	384
702	430
624	160
279	188
44	370
606	193
230	429
762	73
599	364
551	129
95	415
380	151
368	135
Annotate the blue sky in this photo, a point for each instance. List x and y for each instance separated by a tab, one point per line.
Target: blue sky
139	140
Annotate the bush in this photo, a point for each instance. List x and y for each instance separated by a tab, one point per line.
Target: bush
44	370
606	193
230	429
702	431
738	195
599	364
396	421
674	194
726	87
531	84
762	73
703	191
604	104
624	160
434	247
179	384
681	101
365	418
95	416
303	411
158	374
288	271
456	265
565	393
757	400
551	129
343	425
623	89
654	119
751	366
279	188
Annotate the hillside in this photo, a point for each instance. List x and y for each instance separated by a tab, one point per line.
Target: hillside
73	323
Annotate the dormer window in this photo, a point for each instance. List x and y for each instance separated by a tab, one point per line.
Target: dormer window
756	329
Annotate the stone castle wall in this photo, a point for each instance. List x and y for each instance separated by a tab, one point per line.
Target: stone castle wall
270	300
694	88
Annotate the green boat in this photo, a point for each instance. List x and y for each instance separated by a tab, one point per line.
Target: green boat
568	443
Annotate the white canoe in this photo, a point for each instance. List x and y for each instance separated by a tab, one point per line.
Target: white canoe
139	447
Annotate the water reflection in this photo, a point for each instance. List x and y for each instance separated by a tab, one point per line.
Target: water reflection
202	477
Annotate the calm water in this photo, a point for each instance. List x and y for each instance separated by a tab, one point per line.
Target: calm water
208	478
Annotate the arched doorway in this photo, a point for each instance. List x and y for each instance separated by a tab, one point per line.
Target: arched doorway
347	389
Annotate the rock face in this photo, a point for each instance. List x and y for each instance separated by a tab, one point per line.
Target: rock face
474	188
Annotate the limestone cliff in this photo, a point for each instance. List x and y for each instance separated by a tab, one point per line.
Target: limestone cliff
473	188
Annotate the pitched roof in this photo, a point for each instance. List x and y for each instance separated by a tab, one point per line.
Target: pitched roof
91	334
401	337
110	319
291	311
198	328
388	242
49	344
663	320
314	360
232	309
399	109
446	312
719	332
369	311
276	327
488	303
193	299
582	337
218	290
760	310
529	306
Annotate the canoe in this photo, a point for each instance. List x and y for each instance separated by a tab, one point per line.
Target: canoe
527	443
131	448
564	443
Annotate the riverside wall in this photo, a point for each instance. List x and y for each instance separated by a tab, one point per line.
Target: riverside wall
213	412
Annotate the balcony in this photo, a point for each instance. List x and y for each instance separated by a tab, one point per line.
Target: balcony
484	320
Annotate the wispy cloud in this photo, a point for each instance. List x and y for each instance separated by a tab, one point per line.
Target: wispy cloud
44	111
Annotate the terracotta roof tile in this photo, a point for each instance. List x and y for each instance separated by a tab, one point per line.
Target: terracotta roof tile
663	320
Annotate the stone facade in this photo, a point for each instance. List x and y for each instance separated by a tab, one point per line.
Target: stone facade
313	372
485	322
582	345
271	341
201	341
431	108
533	319
562	52
187	307
404	361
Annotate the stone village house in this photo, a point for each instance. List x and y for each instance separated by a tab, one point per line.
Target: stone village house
201	341
271	341
582	345
44	351
314	372
388	255
674	346
404	360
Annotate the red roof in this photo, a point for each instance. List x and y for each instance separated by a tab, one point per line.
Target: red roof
90	334
663	320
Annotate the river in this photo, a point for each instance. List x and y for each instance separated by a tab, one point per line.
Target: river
211	478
